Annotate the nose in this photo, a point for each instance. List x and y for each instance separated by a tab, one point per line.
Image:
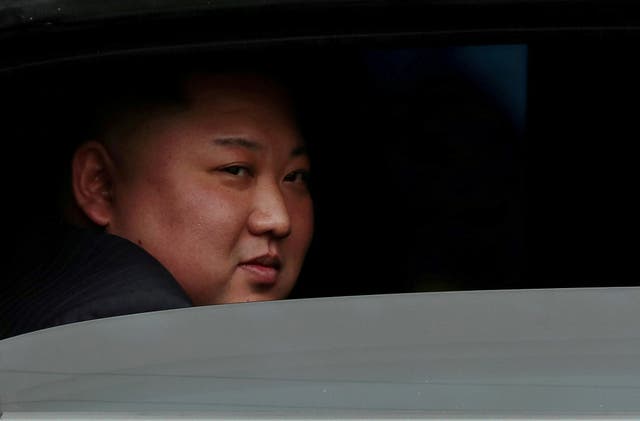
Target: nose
270	214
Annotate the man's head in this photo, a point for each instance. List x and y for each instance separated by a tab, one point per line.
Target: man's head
213	186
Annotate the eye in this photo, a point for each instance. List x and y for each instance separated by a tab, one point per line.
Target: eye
298	176
238	170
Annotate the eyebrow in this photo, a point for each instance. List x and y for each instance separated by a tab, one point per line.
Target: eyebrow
299	150
238	142
241	142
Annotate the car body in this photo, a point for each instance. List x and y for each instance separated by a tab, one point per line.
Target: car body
519	354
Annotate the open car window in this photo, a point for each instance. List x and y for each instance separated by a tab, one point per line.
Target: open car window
451	167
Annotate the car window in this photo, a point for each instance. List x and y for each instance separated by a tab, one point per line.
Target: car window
461	167
418	158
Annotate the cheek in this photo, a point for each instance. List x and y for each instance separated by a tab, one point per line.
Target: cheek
214	212
178	210
202	229
302	220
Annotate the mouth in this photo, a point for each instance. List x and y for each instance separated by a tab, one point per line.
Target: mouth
262	270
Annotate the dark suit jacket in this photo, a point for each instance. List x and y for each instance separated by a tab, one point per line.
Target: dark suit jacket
91	275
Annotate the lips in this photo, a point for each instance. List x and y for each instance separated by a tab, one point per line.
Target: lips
262	270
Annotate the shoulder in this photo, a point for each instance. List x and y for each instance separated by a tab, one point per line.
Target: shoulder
91	275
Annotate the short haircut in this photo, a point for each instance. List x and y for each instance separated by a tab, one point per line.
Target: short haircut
114	97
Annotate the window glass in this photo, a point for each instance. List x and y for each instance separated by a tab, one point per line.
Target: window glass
435	167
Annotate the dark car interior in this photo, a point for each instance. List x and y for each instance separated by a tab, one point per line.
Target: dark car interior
499	161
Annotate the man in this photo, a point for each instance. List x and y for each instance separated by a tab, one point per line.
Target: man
209	190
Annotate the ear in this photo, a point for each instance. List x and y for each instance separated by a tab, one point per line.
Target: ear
92	180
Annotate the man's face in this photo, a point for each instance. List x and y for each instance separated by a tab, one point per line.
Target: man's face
217	192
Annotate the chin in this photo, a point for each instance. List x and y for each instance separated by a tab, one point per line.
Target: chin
264	296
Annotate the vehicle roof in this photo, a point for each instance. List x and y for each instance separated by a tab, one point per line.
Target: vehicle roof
37	31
